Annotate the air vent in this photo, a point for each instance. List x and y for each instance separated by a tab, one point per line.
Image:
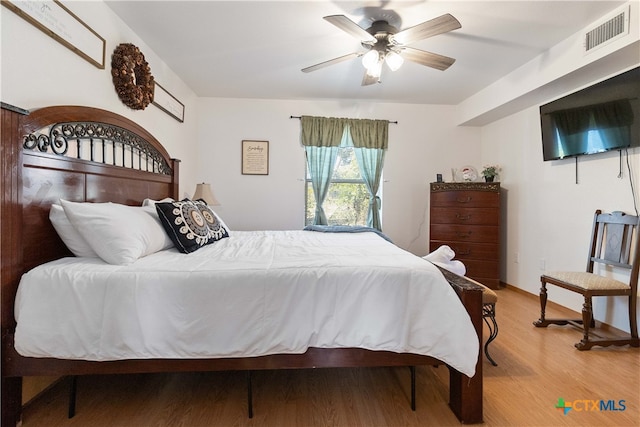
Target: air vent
610	30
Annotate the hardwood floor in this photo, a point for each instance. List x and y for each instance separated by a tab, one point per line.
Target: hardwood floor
535	368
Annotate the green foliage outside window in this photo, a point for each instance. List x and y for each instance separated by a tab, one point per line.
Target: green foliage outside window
347	201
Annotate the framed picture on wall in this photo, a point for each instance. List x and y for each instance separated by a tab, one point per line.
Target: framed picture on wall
168	103
255	157
59	23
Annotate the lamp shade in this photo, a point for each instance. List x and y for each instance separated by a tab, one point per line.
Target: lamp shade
203	191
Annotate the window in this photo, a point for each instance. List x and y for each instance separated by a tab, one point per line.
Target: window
347	201
334	168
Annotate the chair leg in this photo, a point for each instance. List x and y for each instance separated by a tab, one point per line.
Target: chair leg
489	312
587	322
542	323
633	321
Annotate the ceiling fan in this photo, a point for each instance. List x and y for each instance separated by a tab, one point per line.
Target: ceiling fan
386	44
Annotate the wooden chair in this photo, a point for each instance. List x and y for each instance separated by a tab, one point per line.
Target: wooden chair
614	242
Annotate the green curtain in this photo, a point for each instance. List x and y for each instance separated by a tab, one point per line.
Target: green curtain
367	133
370	139
321	137
320	161
370	162
321	131
327	132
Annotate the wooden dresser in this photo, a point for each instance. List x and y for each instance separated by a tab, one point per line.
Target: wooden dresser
466	217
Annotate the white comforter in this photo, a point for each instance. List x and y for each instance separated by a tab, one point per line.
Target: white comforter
255	293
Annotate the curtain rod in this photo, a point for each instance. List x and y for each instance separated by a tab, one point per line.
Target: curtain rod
299	117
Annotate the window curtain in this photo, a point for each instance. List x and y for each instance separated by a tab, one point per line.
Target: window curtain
370	161
369	133
320	161
370	140
321	138
322	131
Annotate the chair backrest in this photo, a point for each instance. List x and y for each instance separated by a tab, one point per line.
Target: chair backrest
615	241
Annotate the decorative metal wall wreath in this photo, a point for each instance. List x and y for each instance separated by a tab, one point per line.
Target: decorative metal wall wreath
132	76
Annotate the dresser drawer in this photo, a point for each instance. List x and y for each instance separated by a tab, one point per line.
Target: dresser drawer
475	216
470	251
481	269
464	233
477	199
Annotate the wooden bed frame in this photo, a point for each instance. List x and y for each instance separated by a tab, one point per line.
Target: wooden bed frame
32	180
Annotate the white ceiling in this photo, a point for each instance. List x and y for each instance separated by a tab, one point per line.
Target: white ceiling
256	49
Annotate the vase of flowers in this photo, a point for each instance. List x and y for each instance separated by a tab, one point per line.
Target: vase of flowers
489	172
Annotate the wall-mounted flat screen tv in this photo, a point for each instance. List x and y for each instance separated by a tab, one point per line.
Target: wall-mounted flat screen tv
602	117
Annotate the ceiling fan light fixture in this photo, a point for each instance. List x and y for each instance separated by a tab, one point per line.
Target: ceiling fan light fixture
384	43
370	59
375	70
394	61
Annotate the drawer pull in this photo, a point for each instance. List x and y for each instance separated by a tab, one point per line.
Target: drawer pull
463	217
467	252
467	200
464	235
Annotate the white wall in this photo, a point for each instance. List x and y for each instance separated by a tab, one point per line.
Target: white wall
36	71
548	215
425	141
562	68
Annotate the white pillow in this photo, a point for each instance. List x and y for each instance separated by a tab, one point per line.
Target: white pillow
119	234
69	235
152	203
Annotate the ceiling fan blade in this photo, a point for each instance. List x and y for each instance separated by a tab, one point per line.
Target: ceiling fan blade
369	79
350	27
330	62
433	60
433	27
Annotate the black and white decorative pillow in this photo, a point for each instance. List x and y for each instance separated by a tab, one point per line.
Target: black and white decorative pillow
185	224
216	230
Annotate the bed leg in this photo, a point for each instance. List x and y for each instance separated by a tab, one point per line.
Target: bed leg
11	401
465	394
249	395
413	387
72	396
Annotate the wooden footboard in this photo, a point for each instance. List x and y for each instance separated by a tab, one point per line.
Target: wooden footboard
28	239
465	394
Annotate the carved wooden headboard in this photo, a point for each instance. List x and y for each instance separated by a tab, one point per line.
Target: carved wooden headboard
74	153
